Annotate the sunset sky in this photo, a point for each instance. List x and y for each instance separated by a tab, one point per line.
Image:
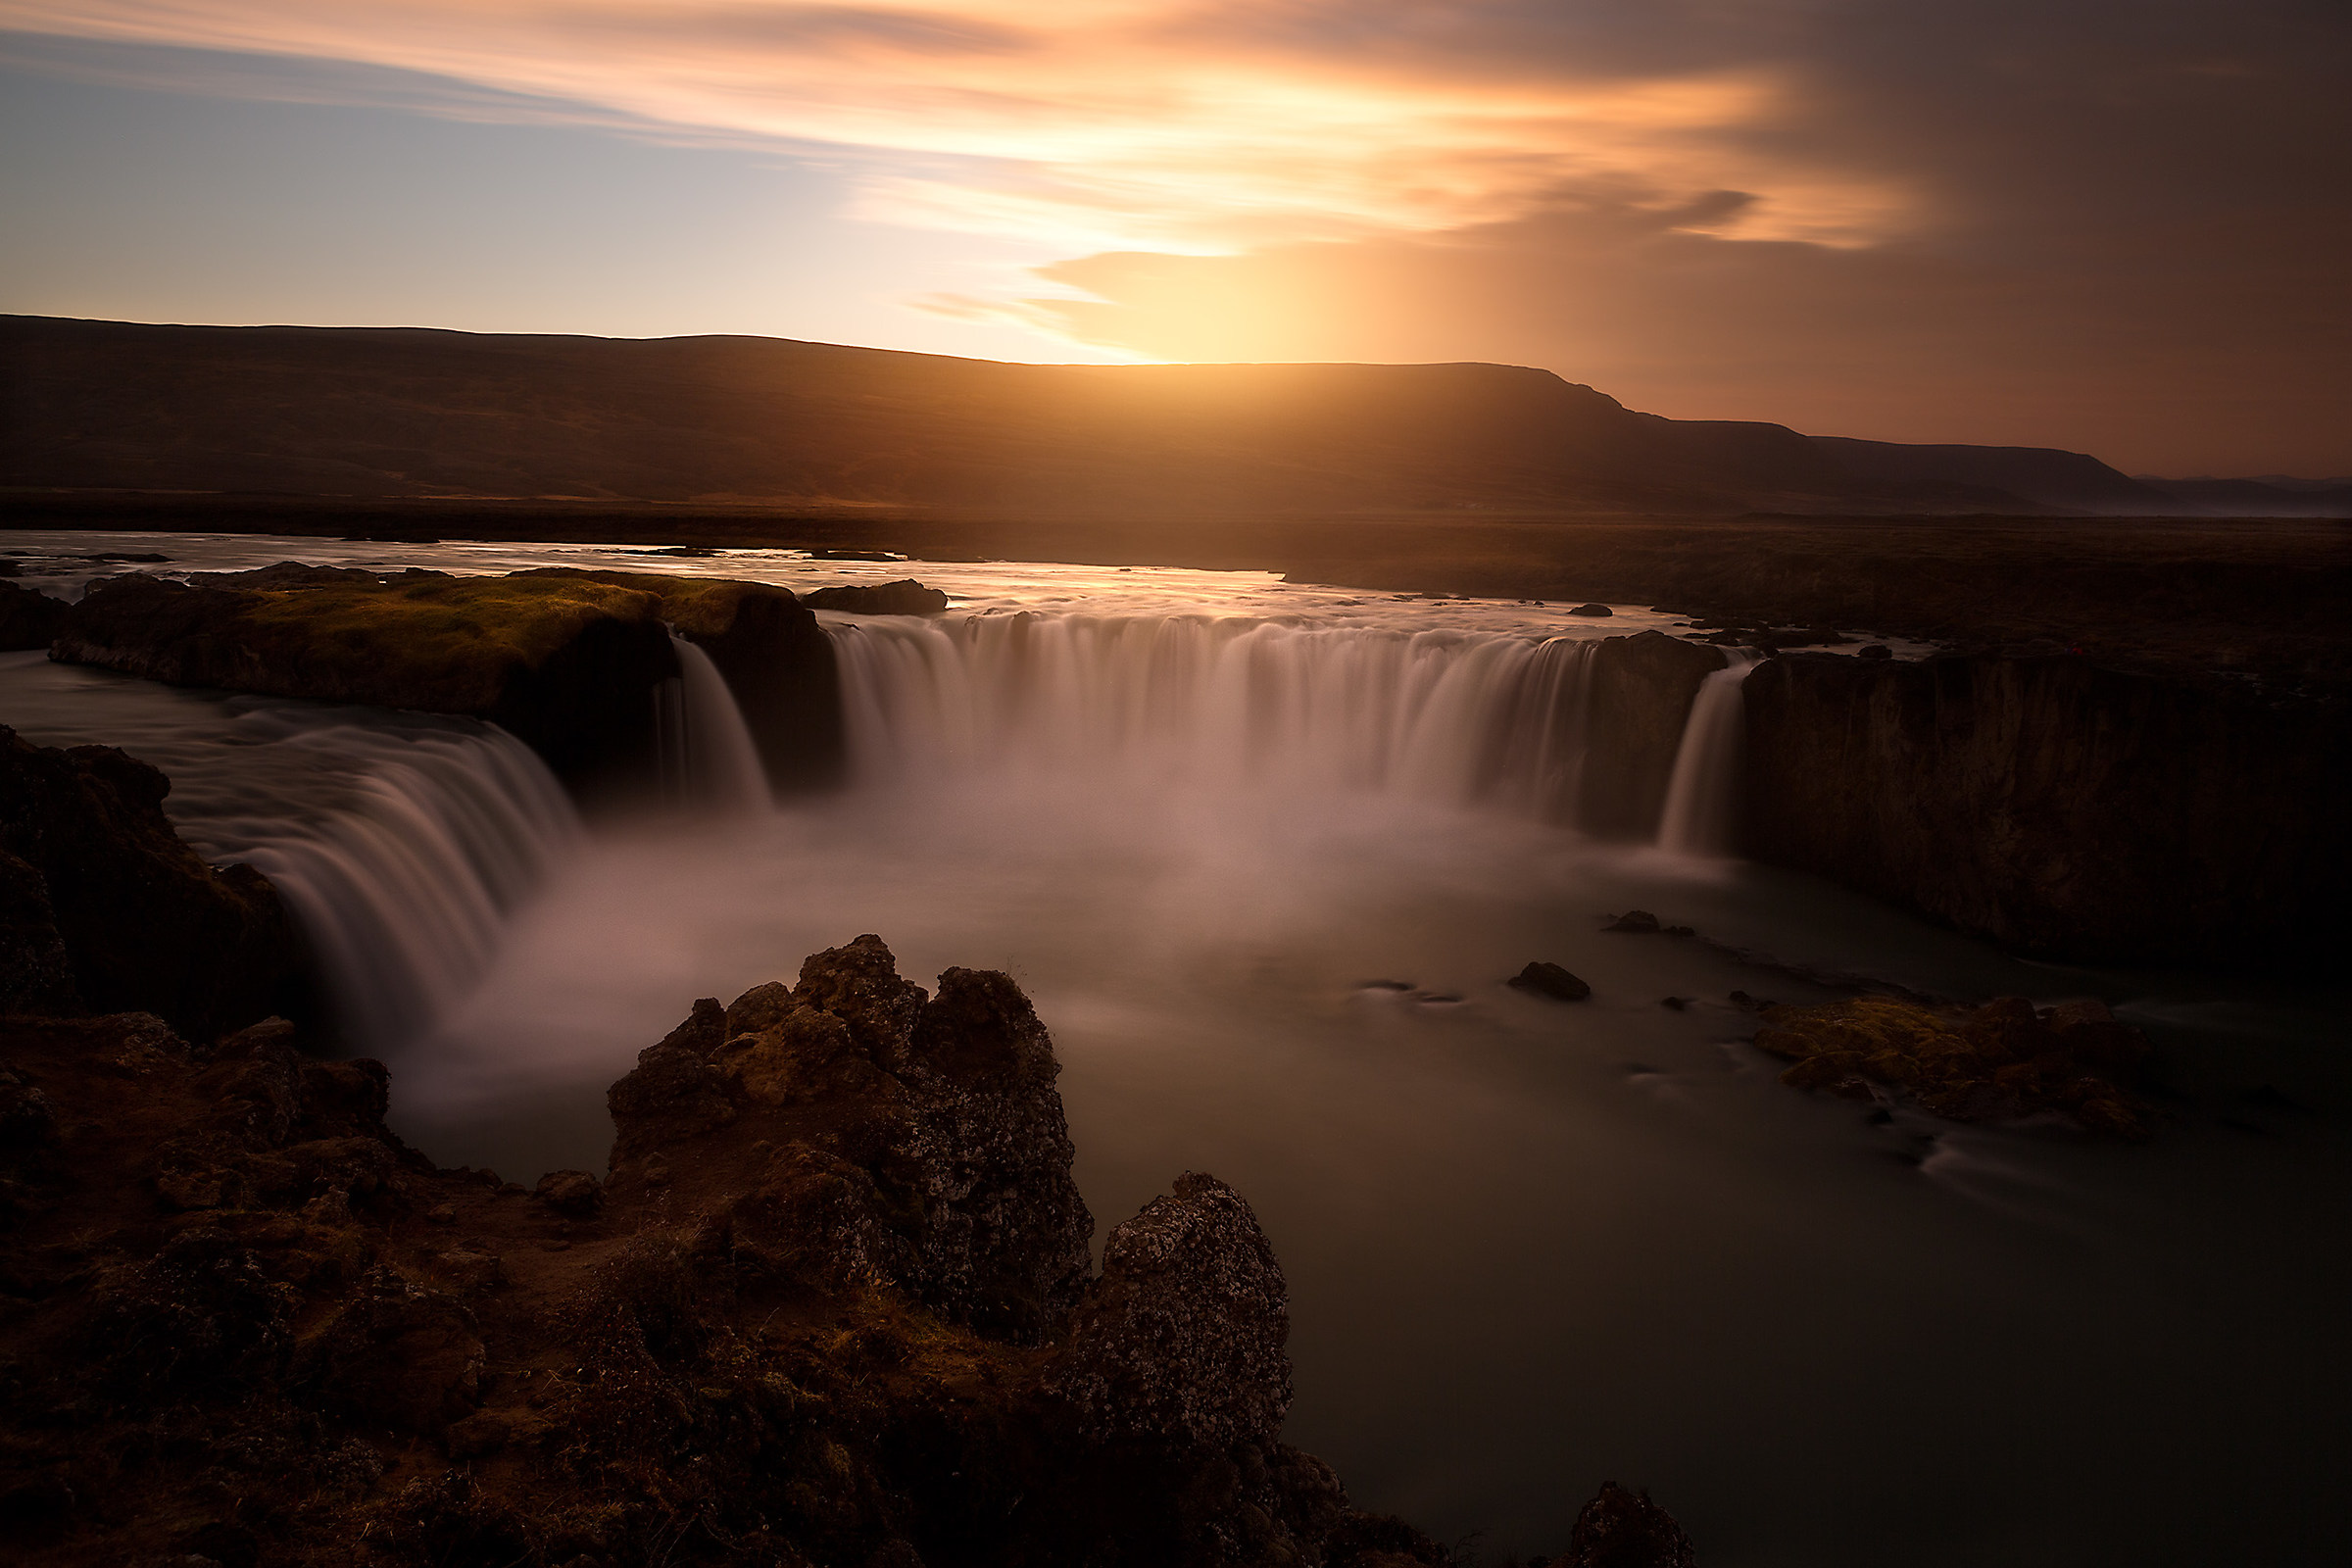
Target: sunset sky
2122	226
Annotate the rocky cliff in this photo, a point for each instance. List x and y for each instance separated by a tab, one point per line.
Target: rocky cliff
2055	807
832	1306
566	661
102	905
1641	690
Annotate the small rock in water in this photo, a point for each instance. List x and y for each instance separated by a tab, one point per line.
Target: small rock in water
1635	923
1550	980
1874	651
1677	1003
1386	985
1593	610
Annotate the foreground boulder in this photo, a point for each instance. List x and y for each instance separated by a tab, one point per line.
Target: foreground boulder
2003	1060
102	905
570	661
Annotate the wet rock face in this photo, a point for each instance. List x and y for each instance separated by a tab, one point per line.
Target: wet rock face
1643	689
106	907
1999	1062
1184	1335
2057	808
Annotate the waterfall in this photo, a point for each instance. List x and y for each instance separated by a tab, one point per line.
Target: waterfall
404	885
1702	796
709	761
1460	717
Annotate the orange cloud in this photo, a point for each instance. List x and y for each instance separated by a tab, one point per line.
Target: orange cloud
1180	124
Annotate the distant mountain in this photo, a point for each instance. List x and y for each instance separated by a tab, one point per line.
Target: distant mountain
408	411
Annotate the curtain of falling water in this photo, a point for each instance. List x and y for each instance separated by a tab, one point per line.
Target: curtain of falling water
1461	717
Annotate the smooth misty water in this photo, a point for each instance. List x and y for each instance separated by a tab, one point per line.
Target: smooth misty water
1530	1246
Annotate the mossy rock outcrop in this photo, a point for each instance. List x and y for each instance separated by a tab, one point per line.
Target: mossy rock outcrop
567	661
2005	1061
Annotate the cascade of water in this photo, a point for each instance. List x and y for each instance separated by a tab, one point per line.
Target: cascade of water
708	746
1702	796
1442	715
403	886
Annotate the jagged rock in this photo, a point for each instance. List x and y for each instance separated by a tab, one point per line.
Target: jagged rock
673	1092
1006	1233
860	984
1184	1335
905	597
801	1341
570	1191
1620	1529
2001	1060
143	923
1550	980
1635	923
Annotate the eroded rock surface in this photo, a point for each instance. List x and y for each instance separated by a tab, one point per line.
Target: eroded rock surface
1184	1335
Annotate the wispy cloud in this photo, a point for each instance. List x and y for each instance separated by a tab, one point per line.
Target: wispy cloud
1185	125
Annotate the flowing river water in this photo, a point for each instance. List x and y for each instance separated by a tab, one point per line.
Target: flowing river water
1262	855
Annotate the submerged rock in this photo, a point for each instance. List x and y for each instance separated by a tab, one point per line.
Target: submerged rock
1635	923
2002	1060
1550	980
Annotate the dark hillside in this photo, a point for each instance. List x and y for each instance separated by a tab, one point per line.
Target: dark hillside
414	412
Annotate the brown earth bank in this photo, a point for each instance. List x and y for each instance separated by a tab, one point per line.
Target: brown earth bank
832	1304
